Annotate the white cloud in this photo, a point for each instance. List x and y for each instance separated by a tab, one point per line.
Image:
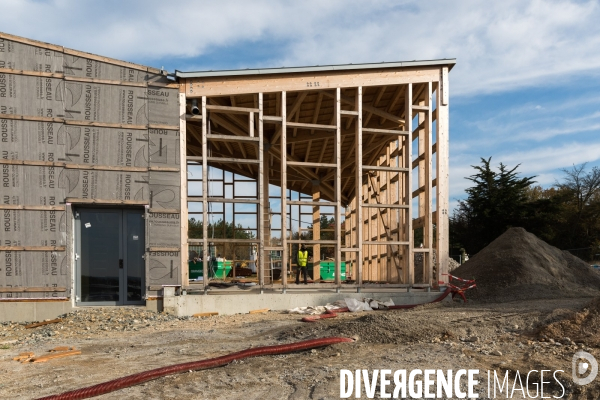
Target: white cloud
543	162
499	45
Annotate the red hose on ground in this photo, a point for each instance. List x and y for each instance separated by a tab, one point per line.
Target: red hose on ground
437	300
136	379
333	313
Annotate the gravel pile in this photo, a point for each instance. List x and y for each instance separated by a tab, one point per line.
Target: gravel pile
520	266
87	322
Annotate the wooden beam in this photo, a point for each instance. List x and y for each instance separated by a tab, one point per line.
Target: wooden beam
386	131
408	188
397	95
55	355
31	208
442	183
374	103
427	196
106	201
229	85
183	191
311	126
338	187
230	110
205	250
317	110
21	289
229	125
283	133
288	117
263	194
374	110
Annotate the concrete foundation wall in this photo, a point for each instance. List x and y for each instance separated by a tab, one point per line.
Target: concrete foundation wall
18	311
224	304
227	304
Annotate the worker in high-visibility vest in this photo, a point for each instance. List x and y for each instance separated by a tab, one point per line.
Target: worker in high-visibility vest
302	260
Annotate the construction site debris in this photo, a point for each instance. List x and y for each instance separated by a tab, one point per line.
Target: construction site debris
519	266
61	348
582	326
205	314
55	355
57	352
310	310
426	335
87	321
54	321
367	304
262	310
24	356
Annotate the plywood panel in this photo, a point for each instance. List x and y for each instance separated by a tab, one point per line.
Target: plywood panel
93	102
15	55
164	148
109	185
104	146
163	106
31	140
33	228
164	190
32	95
31	185
33	269
48	141
164	268
77	66
163	229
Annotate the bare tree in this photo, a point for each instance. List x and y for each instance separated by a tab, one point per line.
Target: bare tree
584	185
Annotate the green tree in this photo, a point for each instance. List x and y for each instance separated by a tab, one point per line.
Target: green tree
226	230
497	201
580	191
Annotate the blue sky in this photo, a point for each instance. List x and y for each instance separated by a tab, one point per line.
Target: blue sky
526	87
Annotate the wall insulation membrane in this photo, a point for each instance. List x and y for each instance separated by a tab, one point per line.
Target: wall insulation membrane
77	130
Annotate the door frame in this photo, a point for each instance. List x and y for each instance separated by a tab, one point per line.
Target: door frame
122	252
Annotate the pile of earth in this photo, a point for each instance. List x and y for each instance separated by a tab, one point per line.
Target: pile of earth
582	326
520	266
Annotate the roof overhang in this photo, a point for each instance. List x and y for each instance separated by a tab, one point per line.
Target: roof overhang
318	68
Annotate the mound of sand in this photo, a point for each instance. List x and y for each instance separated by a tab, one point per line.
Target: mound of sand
518	265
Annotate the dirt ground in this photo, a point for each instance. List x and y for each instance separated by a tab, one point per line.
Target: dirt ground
120	341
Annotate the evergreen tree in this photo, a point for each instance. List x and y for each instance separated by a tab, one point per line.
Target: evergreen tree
496	202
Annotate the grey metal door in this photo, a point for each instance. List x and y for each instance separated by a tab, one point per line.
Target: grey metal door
110	256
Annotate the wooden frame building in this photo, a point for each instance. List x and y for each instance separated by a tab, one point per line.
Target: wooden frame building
369	141
98	154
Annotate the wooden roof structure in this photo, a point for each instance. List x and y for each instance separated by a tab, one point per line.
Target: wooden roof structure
310	116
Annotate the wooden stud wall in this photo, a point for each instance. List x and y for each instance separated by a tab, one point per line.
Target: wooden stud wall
306	143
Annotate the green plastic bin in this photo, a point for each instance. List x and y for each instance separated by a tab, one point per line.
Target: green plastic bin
221	269
328	271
